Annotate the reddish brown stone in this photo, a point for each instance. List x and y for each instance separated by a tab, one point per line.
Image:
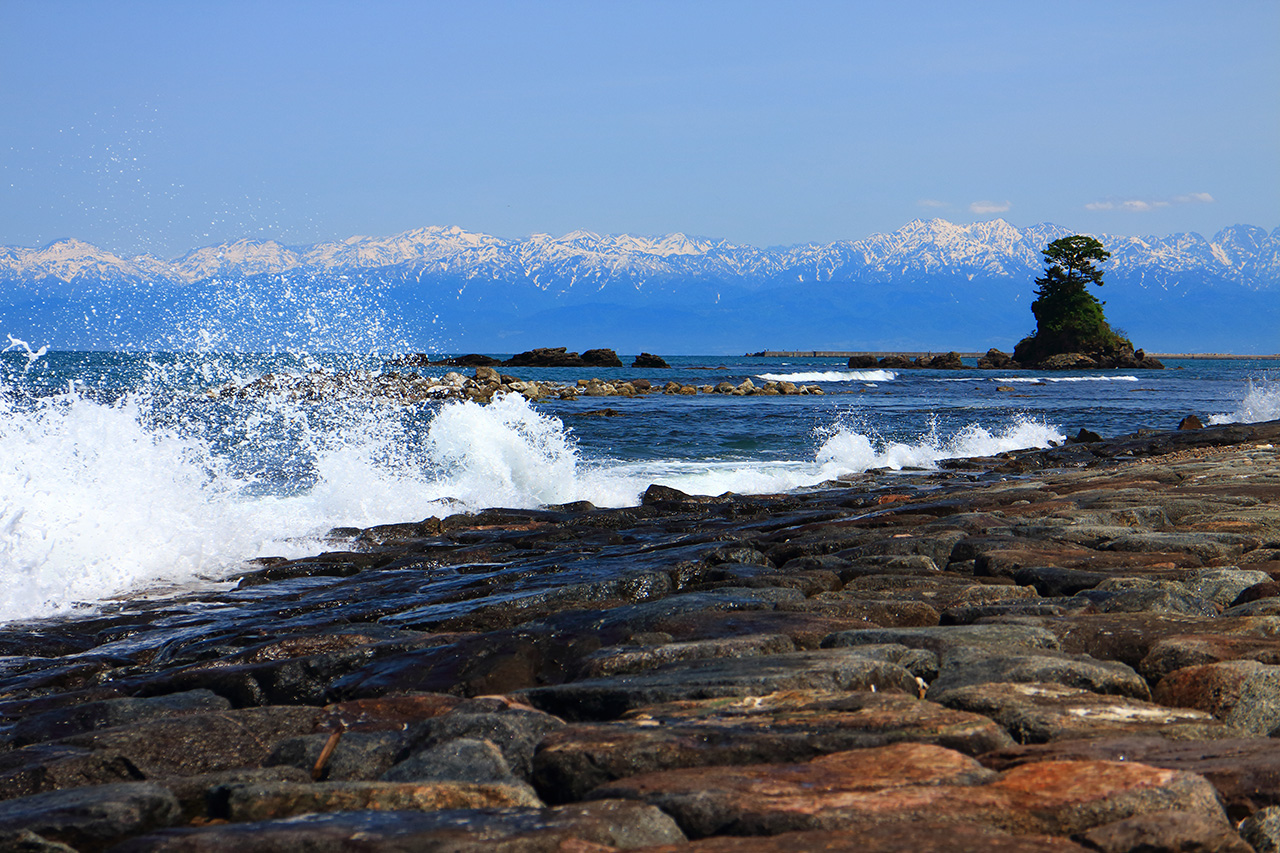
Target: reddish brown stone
779	727
1246	771
1174	653
1241	693
925	837
914	782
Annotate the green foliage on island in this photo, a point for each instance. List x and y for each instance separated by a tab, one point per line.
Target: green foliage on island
1069	318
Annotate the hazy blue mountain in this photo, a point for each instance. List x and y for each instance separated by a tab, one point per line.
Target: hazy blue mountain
928	285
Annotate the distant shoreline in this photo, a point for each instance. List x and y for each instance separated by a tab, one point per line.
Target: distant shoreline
918	354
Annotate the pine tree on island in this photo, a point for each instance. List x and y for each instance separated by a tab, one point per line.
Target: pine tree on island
1071	330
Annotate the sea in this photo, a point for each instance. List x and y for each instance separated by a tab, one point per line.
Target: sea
126	474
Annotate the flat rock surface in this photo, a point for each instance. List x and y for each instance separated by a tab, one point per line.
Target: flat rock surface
1095	627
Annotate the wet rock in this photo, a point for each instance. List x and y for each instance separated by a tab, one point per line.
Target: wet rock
108	713
613	824
619	660
202	743
41	768
1190	422
94	817
1053	581
774	728
1036	713
609	698
1244	694
968	667
1154	600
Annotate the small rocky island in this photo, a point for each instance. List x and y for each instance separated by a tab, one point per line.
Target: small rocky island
1071	331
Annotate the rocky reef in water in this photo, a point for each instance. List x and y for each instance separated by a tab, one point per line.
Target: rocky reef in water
1071	649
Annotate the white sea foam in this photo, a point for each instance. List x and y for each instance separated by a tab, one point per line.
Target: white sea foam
844	450
831	376
1041	379
1261	403
99	500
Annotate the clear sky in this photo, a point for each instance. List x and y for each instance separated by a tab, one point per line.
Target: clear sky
163	126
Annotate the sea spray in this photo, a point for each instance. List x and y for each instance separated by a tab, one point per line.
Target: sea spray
1261	402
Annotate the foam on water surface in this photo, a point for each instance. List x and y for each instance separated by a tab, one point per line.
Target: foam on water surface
830	376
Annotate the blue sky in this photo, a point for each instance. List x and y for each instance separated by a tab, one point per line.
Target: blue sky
163	126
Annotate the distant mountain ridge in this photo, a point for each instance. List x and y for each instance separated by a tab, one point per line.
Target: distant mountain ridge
930	284
1241	254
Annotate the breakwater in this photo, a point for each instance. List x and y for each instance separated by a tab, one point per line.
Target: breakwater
1050	650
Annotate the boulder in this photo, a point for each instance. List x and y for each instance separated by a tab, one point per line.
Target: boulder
92	818
601	358
650	361
862	362
545	357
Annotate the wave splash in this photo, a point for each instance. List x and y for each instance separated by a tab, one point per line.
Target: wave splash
1261	402
157	488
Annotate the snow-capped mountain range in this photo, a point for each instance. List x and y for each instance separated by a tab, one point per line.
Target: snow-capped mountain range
1241	254
928	285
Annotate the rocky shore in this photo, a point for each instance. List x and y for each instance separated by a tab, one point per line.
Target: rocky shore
482	386
1062	650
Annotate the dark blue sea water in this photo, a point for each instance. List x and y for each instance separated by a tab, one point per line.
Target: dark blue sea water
120	471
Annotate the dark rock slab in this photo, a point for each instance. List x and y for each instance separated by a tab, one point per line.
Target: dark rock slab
464	759
50	767
92	818
1036	713
108	713
202	743
968	667
613	824
828	669
513	728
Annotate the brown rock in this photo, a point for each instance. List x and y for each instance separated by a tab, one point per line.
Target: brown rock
1172	831
914	782
924	837
1244	694
1035	713
778	727
765	799
1173	653
244	802
1245	771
